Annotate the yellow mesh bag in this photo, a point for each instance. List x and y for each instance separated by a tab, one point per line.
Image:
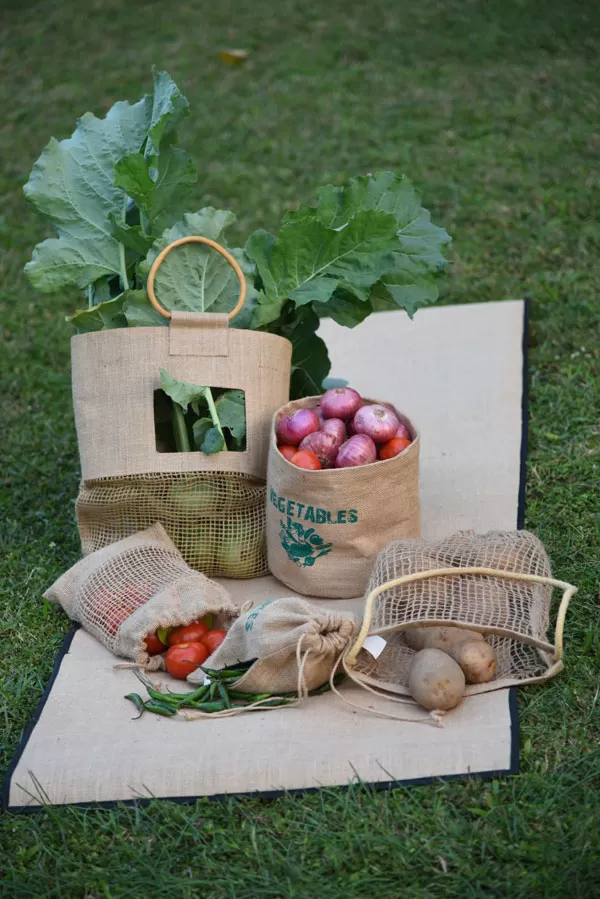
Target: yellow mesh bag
498	583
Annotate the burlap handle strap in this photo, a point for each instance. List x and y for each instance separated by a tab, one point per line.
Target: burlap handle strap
556	650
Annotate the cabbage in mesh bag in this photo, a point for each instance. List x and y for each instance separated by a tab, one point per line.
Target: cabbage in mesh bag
124	592
507	599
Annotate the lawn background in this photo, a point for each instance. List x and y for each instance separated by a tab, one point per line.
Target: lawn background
492	109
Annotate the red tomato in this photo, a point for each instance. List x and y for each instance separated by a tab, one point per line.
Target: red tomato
213	639
190	633
288	451
306	459
154	645
393	447
184	658
114	618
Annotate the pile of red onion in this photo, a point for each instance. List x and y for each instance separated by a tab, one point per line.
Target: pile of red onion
341	432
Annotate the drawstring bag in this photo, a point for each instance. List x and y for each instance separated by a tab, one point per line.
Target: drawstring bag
325	528
124	592
211	505
296	646
498	584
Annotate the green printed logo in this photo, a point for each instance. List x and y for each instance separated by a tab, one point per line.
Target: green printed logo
254	614
302	545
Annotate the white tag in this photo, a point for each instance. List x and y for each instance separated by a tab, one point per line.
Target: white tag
374	645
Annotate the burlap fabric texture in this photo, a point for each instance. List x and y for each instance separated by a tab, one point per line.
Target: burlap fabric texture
295	643
123	592
212	506
325	528
513	614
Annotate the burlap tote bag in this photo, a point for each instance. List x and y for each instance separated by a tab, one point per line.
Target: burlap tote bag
498	584
325	528
212	506
126	591
295	644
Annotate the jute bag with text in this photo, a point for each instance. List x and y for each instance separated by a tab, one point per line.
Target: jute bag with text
295	644
124	592
325	528
212	506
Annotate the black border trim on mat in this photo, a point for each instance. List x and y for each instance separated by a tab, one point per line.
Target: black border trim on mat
274	794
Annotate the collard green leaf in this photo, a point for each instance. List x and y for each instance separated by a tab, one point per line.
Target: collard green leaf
131	236
160	197
181	392
308	261
344	309
196	278
213	442
231	409
200	429
72	184
139	311
402	290
169	107
103	317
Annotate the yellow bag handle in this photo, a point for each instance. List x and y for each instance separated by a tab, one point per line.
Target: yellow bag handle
569	591
195	238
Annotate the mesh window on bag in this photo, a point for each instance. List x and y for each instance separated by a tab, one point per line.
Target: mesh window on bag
514	616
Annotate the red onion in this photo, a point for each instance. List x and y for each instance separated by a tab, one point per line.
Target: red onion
336	427
376	421
292	429
323	445
403	432
340	402
357	450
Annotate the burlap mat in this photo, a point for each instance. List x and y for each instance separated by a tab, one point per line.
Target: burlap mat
459	372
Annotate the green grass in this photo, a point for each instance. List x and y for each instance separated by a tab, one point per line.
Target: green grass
492	109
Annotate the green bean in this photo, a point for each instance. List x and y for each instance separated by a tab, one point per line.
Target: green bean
251	697
194	695
160	708
224	696
138	702
208	706
160	697
212	692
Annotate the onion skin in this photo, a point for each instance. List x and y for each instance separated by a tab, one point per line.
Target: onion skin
292	429
403	432
376	421
357	450
323	445
337	428
340	402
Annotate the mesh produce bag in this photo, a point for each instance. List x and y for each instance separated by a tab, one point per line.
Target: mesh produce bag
497	583
212	505
127	590
217	521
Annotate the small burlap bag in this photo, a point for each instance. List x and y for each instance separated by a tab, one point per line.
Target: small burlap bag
212	506
296	646
497	583
124	592
325	528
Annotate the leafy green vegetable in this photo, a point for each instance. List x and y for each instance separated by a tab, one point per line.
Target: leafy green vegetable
195	278
226	413
73	185
115	194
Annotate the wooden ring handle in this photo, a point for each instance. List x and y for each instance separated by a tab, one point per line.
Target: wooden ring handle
195	238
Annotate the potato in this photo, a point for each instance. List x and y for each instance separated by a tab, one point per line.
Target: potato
435	680
438	637
477	660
